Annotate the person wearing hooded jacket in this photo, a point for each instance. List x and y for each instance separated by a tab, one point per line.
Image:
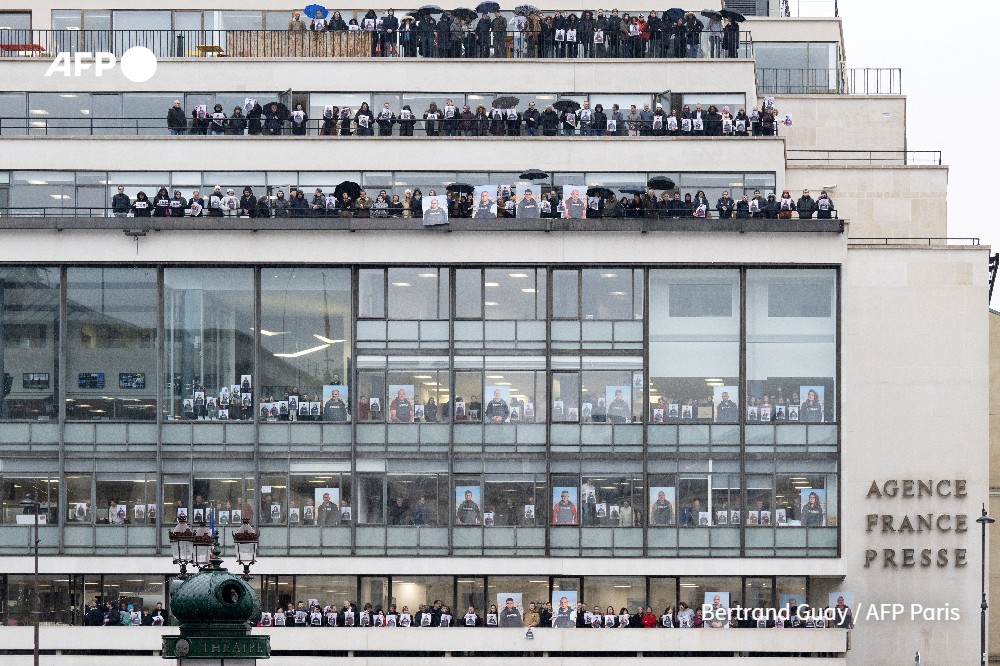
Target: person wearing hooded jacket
142	207
178	204
237	124
215	202
254	116
549	122
336	23
274	118
365	120
386	119
280	204
725	206
230	204
484	29
406	121
217	121
824	206
161	203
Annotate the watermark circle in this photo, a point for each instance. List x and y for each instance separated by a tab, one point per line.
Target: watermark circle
138	64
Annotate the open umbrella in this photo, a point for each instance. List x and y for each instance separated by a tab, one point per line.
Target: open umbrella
602	192
349	186
316	11
506	102
564	105
527	10
632	189
712	14
733	15
488	7
460	188
464	13
429	9
533	174
675	13
661	183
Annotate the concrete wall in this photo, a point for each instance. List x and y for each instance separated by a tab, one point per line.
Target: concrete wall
914	404
844	122
994	504
881	201
404	75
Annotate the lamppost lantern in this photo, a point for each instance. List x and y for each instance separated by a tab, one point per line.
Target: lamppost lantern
246	539
203	543
181	545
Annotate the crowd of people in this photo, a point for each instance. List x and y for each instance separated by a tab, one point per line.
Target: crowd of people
563	615
530	33
503	118
123	614
507	203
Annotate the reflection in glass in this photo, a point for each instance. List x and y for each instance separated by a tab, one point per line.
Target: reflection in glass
29	326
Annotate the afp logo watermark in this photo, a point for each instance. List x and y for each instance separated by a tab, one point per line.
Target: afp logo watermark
138	64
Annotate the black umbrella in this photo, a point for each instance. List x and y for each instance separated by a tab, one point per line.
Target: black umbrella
733	15
675	13
506	102
488	7
464	13
632	189
460	188
527	10
602	192
711	13
429	9
349	186
661	183
283	112
566	105
533	174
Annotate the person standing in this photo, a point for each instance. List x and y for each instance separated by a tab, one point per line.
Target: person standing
176	120
120	203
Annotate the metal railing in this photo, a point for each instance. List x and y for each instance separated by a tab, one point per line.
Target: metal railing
855	81
869	157
243	126
139	227
810	8
364	44
915	240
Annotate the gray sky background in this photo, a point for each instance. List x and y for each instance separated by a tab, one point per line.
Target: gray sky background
948	57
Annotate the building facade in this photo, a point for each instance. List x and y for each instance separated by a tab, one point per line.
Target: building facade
632	410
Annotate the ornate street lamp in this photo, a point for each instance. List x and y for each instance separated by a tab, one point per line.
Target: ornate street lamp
181	545
246	539
983	520
203	543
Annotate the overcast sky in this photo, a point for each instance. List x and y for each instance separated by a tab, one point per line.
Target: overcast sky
948	58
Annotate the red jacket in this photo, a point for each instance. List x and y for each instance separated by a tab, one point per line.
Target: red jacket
648	620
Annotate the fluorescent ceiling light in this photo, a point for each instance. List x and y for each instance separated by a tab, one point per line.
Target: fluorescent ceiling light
86	112
528	290
618	293
40	112
518	275
491	303
422	377
492	284
327	340
427	275
609	275
272	333
302	353
38	182
401	284
66	95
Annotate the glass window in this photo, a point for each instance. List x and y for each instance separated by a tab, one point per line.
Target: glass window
532	589
409	396
469	293
418	293
376	590
611	396
15	20
305	336
21	494
176	497
29	325
565	500
515	500
695	592
414	591
150	109
694	345
209	317
328	590
111	345
610	500
140	592
802	500
514	293
692	497
472	592
468	503
566	397
327	496
566	294
371	499
417	499
616	592
123	498
663	596
46	191
791	344
233	493
661	501
371	293
235	20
